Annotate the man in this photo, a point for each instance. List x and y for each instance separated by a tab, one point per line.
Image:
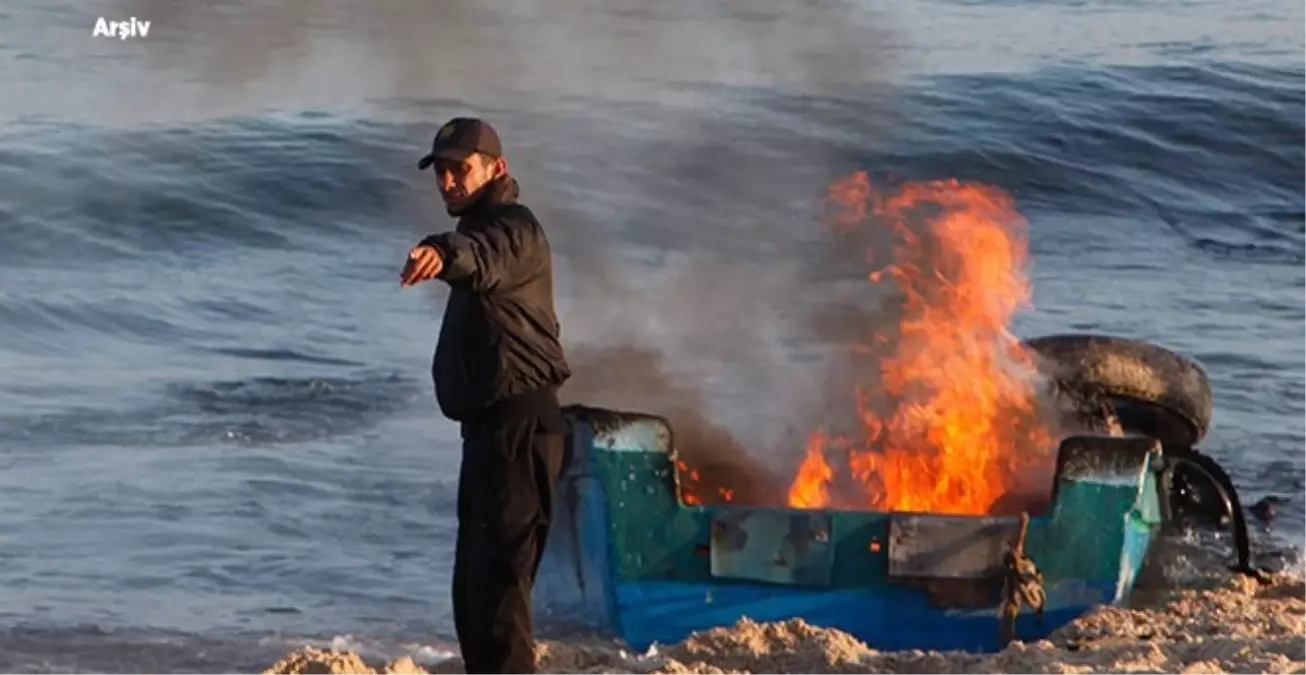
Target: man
497	368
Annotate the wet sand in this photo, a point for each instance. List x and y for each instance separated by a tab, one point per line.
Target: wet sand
1218	623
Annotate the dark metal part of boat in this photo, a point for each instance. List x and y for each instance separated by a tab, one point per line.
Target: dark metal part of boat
1195	487
1195	495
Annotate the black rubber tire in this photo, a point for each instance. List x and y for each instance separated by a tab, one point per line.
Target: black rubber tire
1171	388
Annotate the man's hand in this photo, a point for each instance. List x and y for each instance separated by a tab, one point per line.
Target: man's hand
423	264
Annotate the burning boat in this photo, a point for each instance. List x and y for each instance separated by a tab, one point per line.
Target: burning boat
632	556
988	489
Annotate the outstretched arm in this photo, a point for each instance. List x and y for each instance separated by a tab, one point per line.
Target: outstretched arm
502	253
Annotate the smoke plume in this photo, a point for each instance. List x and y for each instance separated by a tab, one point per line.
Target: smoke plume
230	56
676	152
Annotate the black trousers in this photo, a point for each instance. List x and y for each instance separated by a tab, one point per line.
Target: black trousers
505	505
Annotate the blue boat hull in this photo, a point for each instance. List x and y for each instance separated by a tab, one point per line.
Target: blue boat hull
884	618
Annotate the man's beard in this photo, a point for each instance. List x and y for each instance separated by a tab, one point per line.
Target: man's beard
456	209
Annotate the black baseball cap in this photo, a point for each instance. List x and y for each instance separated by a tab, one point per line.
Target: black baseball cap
460	137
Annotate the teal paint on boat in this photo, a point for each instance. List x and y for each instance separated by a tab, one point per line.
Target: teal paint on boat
647	567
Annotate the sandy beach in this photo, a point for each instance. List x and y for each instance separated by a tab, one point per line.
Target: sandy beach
1217	623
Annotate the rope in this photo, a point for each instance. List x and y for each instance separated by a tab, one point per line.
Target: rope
1022	584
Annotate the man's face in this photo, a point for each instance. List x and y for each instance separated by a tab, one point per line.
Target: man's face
460	179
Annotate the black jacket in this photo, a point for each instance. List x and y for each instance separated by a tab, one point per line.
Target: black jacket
499	342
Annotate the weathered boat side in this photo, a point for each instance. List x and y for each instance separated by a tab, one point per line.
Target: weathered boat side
627	556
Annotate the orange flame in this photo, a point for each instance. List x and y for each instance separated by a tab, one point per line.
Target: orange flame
691	488
951	423
809	489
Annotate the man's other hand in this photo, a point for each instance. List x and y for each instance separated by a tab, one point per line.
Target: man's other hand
423	264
